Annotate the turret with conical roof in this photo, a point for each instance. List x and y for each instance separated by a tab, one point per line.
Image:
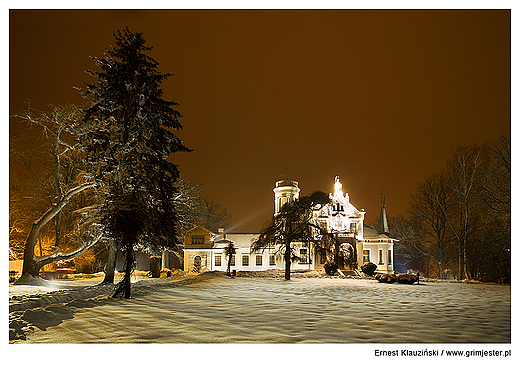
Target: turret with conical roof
382	227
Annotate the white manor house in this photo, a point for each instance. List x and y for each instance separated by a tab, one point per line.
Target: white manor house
359	243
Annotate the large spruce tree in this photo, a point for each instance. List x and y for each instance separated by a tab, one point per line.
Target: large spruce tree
129	140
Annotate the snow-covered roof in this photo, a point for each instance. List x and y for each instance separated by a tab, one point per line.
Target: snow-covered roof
190	231
240	239
370	232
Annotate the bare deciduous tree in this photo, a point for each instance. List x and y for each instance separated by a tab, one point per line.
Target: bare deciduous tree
461	218
463	170
189	206
212	217
429	214
59	128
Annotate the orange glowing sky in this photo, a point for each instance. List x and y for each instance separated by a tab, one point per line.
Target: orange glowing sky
378	97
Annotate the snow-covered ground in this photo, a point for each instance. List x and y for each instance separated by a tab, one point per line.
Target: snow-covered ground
213	308
73	282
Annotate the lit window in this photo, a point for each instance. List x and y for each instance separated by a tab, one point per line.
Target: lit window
366	255
259	260
271	260
197	239
218	260
304	257
245	260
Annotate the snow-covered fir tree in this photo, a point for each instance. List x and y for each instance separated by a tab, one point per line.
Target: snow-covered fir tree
127	146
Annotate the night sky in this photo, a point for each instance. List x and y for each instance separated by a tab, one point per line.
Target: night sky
379	98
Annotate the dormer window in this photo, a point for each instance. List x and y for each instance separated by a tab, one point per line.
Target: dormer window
339	207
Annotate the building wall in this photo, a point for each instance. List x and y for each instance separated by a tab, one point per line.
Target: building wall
170	260
209	258
197	242
340	217
380	253
209	254
261	261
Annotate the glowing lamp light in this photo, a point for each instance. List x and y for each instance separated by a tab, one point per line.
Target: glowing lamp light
338	187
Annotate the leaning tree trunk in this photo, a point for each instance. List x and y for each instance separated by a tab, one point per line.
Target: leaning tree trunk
31	263
36	263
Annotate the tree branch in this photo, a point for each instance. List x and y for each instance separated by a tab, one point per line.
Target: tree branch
59	255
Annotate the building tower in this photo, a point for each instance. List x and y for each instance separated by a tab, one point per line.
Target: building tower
285	191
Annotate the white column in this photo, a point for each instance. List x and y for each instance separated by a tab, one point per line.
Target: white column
165	262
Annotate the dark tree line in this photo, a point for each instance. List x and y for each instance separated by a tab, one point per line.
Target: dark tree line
459	220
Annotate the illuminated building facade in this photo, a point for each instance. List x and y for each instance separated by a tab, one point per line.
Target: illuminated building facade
355	243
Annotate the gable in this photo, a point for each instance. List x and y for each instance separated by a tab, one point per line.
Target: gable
339	206
198	238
